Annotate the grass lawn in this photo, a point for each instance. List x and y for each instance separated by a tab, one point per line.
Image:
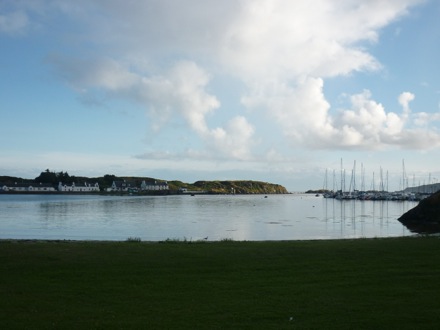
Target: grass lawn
339	284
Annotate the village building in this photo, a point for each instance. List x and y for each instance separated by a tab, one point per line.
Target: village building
27	187
125	186
122	185
154	185
78	188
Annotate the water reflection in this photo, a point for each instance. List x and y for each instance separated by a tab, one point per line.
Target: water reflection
154	218
357	218
423	228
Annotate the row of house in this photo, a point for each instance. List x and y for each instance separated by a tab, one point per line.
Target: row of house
87	187
46	187
132	187
27	187
117	186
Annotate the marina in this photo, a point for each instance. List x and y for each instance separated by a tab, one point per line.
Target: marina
379	186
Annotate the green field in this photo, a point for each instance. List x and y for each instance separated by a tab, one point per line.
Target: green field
340	284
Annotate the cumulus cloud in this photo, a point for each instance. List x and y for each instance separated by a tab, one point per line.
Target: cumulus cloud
424	118
179	91
376	128
163	54
235	139
404	99
303	113
301	110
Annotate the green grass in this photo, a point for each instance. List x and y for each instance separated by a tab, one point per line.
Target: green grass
341	284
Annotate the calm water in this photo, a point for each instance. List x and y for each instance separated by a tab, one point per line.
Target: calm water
248	217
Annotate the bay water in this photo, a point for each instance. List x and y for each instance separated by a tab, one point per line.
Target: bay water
200	217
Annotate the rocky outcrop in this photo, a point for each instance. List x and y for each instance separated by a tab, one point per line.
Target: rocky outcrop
240	187
425	217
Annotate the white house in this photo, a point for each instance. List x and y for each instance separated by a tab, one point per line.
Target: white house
78	188
27	187
122	186
130	186
154	185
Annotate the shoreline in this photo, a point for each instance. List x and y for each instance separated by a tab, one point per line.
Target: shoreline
225	241
152	193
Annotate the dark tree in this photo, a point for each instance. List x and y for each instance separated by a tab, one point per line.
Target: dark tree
64	177
108	179
47	177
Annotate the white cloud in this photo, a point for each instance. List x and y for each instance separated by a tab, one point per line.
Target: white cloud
285	39
375	128
179	91
404	99
182	92
424	118
235	140
163	53
304	115
320	39
302	110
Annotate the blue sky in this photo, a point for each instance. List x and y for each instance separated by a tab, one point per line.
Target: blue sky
277	91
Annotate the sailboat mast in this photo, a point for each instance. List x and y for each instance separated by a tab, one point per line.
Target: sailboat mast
403	175
342	178
354	176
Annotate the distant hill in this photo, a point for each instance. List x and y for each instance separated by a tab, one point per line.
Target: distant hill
426	188
12	179
240	187
210	187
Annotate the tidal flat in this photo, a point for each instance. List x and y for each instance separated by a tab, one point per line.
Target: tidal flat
322	284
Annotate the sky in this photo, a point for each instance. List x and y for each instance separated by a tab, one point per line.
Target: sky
300	93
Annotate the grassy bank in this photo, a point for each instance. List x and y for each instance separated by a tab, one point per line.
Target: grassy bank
344	284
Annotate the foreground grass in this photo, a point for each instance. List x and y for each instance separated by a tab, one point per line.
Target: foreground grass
344	284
